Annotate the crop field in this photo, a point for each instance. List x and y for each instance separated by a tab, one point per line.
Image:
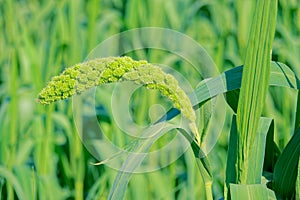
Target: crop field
149	99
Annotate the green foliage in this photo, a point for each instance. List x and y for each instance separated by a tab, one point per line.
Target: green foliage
254	85
249	192
285	170
41	154
257	154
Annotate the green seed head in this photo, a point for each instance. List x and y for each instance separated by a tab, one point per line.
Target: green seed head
154	78
83	76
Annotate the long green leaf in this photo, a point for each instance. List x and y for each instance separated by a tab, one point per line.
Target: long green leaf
12	179
250	192
256	154
285	171
139	152
135	159
280	75
254	84
230	80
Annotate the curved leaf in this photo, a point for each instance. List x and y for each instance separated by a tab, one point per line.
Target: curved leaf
135	159
10	177
285	171
139	152
280	75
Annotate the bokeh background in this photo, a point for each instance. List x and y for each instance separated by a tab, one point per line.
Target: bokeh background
41	155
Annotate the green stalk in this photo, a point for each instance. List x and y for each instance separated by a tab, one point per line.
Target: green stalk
77	156
206	177
255	81
203	166
12	88
93	7
13	113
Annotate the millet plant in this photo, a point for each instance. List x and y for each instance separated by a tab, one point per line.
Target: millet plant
255	170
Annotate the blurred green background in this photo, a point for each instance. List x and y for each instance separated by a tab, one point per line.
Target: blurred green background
41	155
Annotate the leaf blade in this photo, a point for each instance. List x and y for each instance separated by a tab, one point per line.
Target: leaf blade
249	192
285	171
254	85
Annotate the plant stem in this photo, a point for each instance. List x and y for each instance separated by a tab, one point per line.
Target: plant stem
204	168
207	179
77	156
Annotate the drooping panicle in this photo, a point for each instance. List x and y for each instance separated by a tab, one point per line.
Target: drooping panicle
84	76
